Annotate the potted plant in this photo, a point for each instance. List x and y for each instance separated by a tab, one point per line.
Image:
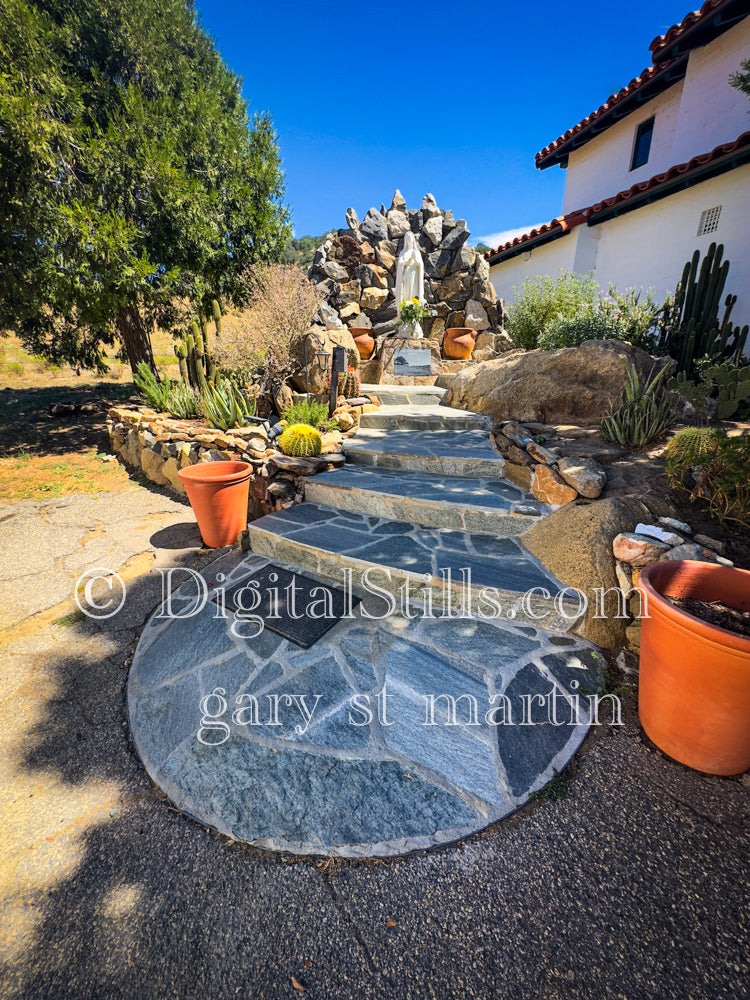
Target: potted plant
412	312
218	493
694	684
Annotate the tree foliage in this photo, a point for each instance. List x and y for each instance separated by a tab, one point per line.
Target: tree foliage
741	79
133	187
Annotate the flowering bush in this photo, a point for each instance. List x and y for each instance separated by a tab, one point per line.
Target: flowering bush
414	311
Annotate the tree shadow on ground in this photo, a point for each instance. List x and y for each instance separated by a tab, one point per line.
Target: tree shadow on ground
26	423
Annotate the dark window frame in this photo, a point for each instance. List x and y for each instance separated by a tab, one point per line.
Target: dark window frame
644	135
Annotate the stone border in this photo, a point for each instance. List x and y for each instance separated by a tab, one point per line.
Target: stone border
159	445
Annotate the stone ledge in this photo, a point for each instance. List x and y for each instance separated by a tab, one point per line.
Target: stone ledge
158	446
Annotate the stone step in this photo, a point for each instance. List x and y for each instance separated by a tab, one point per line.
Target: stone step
493	506
405	395
452	569
443	452
424	416
445	379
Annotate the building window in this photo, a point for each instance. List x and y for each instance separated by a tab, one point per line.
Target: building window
642	144
709	221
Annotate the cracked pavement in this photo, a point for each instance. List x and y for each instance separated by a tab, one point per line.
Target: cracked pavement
633	886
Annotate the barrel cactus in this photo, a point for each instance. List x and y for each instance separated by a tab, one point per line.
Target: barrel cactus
301	441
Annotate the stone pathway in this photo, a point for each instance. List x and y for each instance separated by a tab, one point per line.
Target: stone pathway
406	726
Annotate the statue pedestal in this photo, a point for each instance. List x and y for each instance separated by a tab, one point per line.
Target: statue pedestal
410	361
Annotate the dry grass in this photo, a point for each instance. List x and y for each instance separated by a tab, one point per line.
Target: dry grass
42	477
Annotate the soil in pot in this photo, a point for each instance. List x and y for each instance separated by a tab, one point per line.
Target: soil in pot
715	613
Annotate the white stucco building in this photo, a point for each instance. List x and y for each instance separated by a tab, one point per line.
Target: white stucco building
658	171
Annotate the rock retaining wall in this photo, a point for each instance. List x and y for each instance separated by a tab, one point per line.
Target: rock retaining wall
159	446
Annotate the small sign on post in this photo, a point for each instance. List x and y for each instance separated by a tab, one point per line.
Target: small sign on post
339	365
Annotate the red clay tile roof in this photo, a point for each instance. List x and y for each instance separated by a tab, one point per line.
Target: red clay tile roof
662	43
669	55
552	230
659	77
720	158
726	151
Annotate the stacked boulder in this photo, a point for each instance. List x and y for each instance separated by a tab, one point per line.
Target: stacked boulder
356	269
536	461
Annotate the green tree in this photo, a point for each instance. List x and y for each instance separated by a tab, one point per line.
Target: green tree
741	79
133	187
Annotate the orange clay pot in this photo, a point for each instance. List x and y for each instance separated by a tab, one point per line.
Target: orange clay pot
458	342
364	340
218	493
694	684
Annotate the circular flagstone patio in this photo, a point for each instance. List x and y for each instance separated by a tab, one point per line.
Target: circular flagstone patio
333	750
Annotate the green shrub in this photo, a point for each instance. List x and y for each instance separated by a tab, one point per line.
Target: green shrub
570	331
312	413
301	440
712	468
645	411
543	299
637	317
151	389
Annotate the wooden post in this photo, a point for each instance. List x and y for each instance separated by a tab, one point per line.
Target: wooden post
338	366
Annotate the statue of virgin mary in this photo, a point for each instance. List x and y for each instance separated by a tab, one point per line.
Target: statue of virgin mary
409	281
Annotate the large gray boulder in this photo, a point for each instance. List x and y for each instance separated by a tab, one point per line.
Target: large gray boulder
572	385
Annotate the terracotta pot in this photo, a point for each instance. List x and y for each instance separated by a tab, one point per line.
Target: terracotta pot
218	493
364	340
694	684
458	342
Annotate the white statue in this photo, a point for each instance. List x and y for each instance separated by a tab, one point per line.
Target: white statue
410	283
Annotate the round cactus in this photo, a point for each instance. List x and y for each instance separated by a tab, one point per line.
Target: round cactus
301	441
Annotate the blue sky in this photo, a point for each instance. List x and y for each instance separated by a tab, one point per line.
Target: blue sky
448	97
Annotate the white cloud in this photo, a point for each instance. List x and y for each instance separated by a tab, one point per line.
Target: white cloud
497	239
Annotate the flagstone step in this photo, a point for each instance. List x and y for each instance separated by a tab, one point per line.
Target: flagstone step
424	416
493	506
458	569
444	452
405	395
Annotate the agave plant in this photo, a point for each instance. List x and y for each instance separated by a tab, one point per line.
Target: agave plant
182	402
226	405
644	413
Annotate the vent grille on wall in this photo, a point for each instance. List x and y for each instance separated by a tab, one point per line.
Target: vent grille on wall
709	221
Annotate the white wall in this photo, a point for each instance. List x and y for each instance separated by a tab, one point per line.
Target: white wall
691	117
712	112
601	168
546	259
648	247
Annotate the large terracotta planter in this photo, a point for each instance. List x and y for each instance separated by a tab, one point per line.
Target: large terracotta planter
458	342
218	493
364	340
694	685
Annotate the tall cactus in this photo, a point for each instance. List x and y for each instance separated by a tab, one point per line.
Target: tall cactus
692	328
197	366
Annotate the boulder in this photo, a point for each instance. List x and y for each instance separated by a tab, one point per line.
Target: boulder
317	376
637	550
398	203
584	475
374	226
152	464
550	488
433	229
429	208
373	298
569	385
475	315
575	543
398	224
352	219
